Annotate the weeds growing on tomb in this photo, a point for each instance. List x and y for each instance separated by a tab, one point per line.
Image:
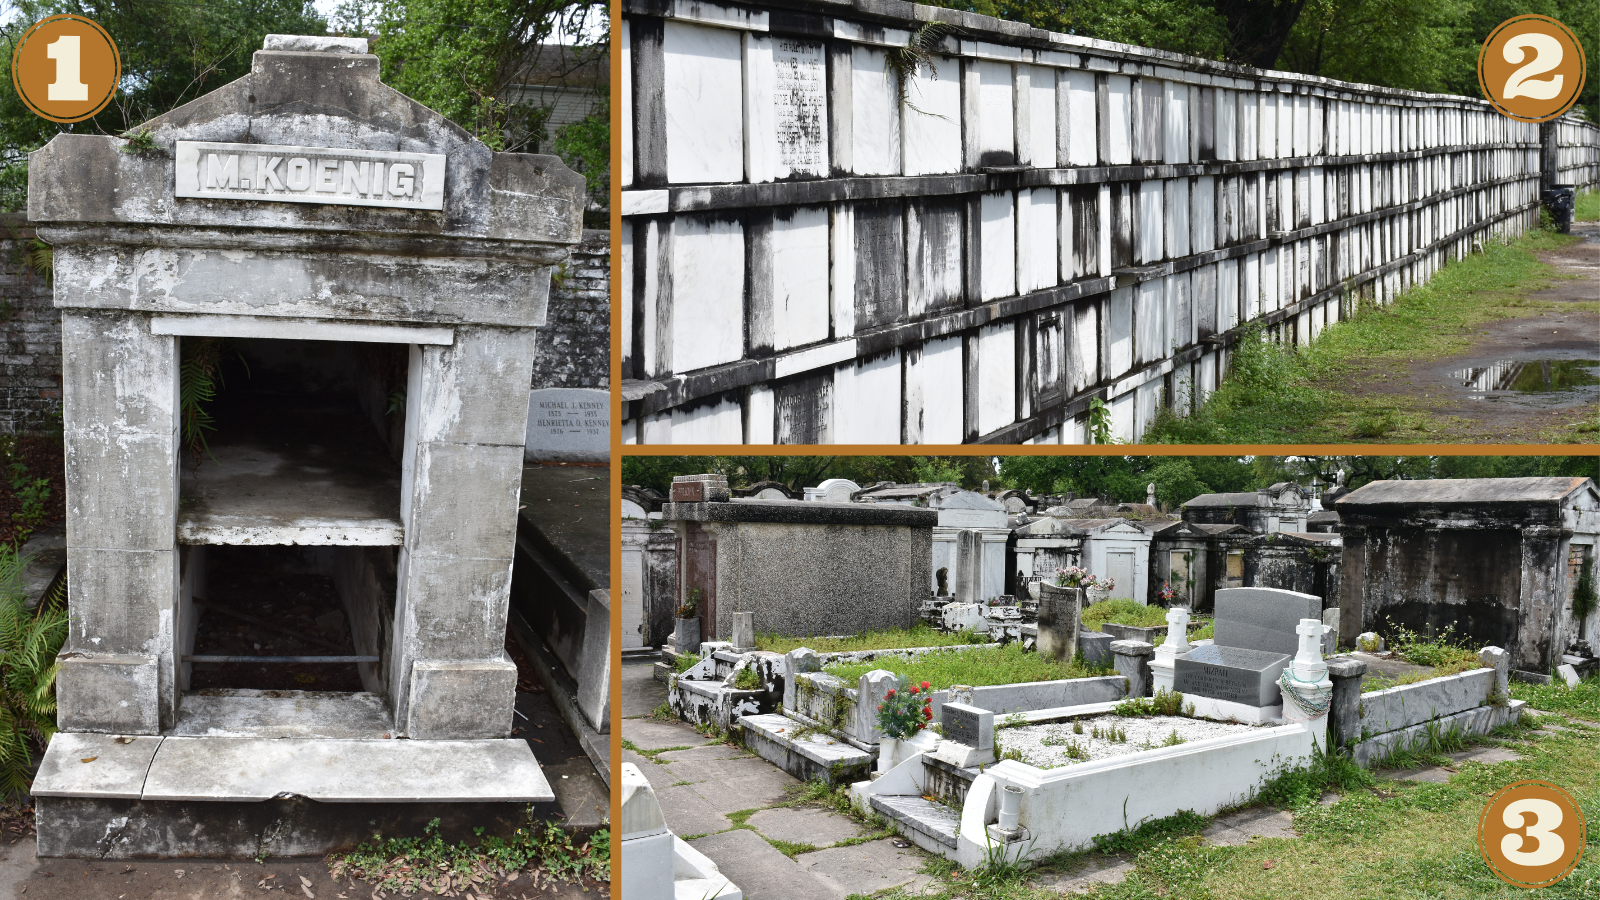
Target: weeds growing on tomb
1123	611
543	849
977	666
918	635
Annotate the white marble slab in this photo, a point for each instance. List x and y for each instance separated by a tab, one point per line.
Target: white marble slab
998	246
997	143
1076	118
703	92
1037	227
932	117
1119	332
1150	321
1116	122
938	378
1203	214
1042	117
1227	125
1147	245
707	292
1177	224
1175	123
997	376
719	422
799	276
874	113
866	407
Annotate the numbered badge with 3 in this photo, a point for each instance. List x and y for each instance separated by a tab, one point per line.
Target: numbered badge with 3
1531	834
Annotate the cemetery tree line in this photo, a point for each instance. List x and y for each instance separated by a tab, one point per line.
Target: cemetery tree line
1178	479
455	56
1419	45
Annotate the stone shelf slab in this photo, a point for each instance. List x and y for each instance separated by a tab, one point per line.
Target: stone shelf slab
224	769
280	473
115	769
772	737
256	769
284	714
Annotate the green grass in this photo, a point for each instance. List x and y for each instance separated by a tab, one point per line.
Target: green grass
1587	209
919	635
976	667
1275	394
1123	611
1582	701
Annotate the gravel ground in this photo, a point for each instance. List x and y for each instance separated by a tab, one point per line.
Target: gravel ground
1048	746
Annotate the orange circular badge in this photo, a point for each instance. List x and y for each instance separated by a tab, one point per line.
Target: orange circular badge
1531	68
66	68
1531	834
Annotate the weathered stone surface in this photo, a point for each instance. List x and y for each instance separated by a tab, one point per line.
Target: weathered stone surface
1132	661
463	500
94	765
968	725
569	425
1231	673
1060	610
1263	618
461	699
1095	647
109	694
1500	661
594	674
460	387
1344	713
1414	704
451	605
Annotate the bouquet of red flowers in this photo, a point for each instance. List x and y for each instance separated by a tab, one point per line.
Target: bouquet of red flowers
906	709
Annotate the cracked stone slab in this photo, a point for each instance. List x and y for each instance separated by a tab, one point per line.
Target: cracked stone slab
1429	774
867	868
1239	827
95	765
759	870
1094	873
816	827
648	734
1486	755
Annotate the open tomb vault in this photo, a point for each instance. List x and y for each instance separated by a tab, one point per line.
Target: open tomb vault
376	277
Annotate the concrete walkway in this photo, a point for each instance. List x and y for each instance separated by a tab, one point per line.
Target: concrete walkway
728	804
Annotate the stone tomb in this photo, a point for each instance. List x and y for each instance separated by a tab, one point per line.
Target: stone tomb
968	733
1234	674
369	279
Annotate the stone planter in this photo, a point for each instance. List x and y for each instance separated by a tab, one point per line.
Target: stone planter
686	635
1096	594
1059	623
886	751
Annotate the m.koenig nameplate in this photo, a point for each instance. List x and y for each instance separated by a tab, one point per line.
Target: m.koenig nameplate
310	175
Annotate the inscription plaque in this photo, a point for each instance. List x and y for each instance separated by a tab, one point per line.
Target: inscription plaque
800	107
967	725
1234	674
569	425
287	174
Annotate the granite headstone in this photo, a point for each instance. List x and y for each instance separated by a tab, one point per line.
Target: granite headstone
967	725
1059	611
1263	618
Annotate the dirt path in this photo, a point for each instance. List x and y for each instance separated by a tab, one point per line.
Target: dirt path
1532	379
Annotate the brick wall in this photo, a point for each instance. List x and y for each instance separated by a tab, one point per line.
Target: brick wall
574	346
30	336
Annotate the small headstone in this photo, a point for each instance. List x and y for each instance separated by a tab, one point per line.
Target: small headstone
1263	618
569	425
744	630
1235	674
962	617
795	663
967	725
834	490
700	489
1369	642
1500	661
969	566
1060	610
771	494
1095	647
1568	674
871	689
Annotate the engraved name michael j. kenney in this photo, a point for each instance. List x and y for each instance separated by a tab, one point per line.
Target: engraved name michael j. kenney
310	175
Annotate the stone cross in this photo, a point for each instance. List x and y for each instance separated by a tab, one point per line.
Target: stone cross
1308	664
1177	632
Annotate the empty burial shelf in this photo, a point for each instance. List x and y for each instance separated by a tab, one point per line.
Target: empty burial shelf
295	457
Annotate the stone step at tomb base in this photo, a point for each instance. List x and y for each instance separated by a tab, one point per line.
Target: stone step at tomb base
806	754
244	797
931	826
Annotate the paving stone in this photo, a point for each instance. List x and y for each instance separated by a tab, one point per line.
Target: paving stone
687	813
748	792
698	770
704	753
759	870
866	868
1095	872
658	776
1239	827
1328	798
649	734
816	827
1430	774
641	693
1486	755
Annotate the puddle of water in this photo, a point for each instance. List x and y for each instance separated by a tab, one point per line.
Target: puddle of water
1543	381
